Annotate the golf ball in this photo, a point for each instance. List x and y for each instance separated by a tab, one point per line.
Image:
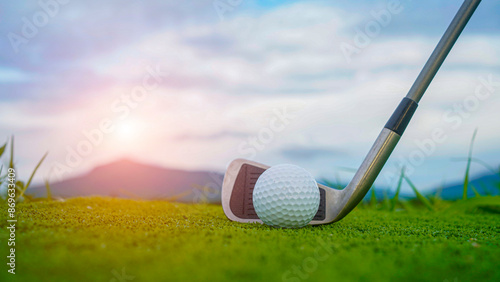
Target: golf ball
286	196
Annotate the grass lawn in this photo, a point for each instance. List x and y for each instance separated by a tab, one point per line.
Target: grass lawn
104	239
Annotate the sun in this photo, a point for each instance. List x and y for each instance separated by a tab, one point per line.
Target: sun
127	131
127	137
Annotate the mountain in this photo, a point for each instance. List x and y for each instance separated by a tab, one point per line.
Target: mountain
129	179
380	192
487	184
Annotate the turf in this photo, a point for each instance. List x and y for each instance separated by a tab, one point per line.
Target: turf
104	239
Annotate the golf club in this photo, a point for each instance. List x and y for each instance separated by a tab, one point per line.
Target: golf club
241	175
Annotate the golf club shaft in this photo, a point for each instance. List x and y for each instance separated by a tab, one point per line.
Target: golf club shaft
442	49
394	128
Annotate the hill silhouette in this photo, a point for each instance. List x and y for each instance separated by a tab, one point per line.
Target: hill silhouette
130	179
486	184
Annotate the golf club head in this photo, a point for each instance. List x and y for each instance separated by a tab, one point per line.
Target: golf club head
237	194
241	176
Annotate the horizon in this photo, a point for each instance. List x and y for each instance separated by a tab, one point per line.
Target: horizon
194	85
319	179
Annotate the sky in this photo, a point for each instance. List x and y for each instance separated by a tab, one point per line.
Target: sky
195	84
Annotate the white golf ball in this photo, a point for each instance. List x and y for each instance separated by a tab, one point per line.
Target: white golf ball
286	196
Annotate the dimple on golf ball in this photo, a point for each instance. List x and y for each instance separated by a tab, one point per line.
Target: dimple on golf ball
286	196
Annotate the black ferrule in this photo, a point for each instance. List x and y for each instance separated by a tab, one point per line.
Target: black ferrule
402	116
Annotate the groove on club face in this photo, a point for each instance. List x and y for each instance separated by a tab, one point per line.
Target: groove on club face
241	201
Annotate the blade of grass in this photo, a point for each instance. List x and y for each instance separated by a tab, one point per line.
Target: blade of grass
1	177
398	189
47	186
406	205
19	188
477	161
420	197
373	198
485	189
436	198
28	197
33	173
386	201
2	149
466	178
475	191
439	190
498	183
11	163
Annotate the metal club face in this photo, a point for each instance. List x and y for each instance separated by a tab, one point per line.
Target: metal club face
241	175
237	193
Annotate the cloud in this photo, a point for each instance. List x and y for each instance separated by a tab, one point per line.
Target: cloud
227	77
212	137
305	153
11	75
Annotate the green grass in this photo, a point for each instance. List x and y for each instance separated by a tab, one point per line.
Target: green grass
92	239
467	169
21	187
